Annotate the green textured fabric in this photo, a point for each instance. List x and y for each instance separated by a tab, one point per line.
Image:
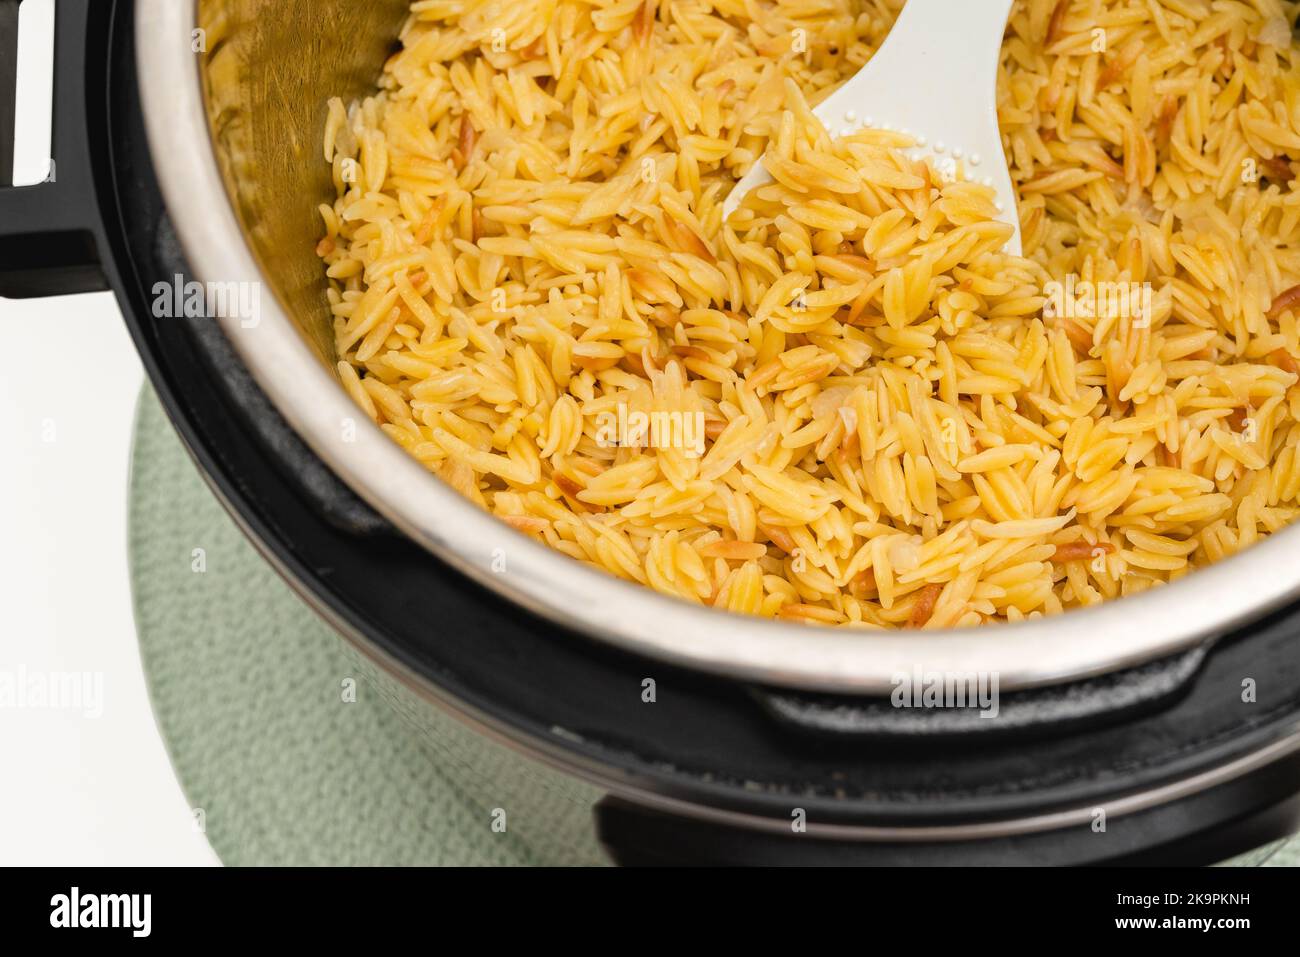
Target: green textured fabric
248	687
249	690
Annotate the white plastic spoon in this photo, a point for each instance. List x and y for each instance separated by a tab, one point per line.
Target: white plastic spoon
935	78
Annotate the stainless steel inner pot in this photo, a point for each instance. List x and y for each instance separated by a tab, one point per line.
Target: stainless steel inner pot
236	128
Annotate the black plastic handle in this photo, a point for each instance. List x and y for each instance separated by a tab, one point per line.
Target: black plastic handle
8	87
1052	710
50	233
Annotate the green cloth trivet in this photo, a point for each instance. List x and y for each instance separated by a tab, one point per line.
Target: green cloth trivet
248	687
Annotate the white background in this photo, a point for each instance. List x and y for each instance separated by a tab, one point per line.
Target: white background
74	790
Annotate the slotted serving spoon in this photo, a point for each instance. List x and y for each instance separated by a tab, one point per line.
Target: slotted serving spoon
935	78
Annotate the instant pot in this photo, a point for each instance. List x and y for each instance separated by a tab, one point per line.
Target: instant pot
188	171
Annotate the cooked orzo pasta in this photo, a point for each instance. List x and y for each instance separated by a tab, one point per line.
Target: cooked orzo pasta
846	405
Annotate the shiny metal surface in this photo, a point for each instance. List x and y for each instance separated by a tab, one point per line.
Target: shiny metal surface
264	231
269	69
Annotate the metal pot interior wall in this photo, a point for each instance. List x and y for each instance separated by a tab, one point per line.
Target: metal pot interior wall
270	68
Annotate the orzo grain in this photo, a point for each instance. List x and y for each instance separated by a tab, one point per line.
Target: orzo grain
528	240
